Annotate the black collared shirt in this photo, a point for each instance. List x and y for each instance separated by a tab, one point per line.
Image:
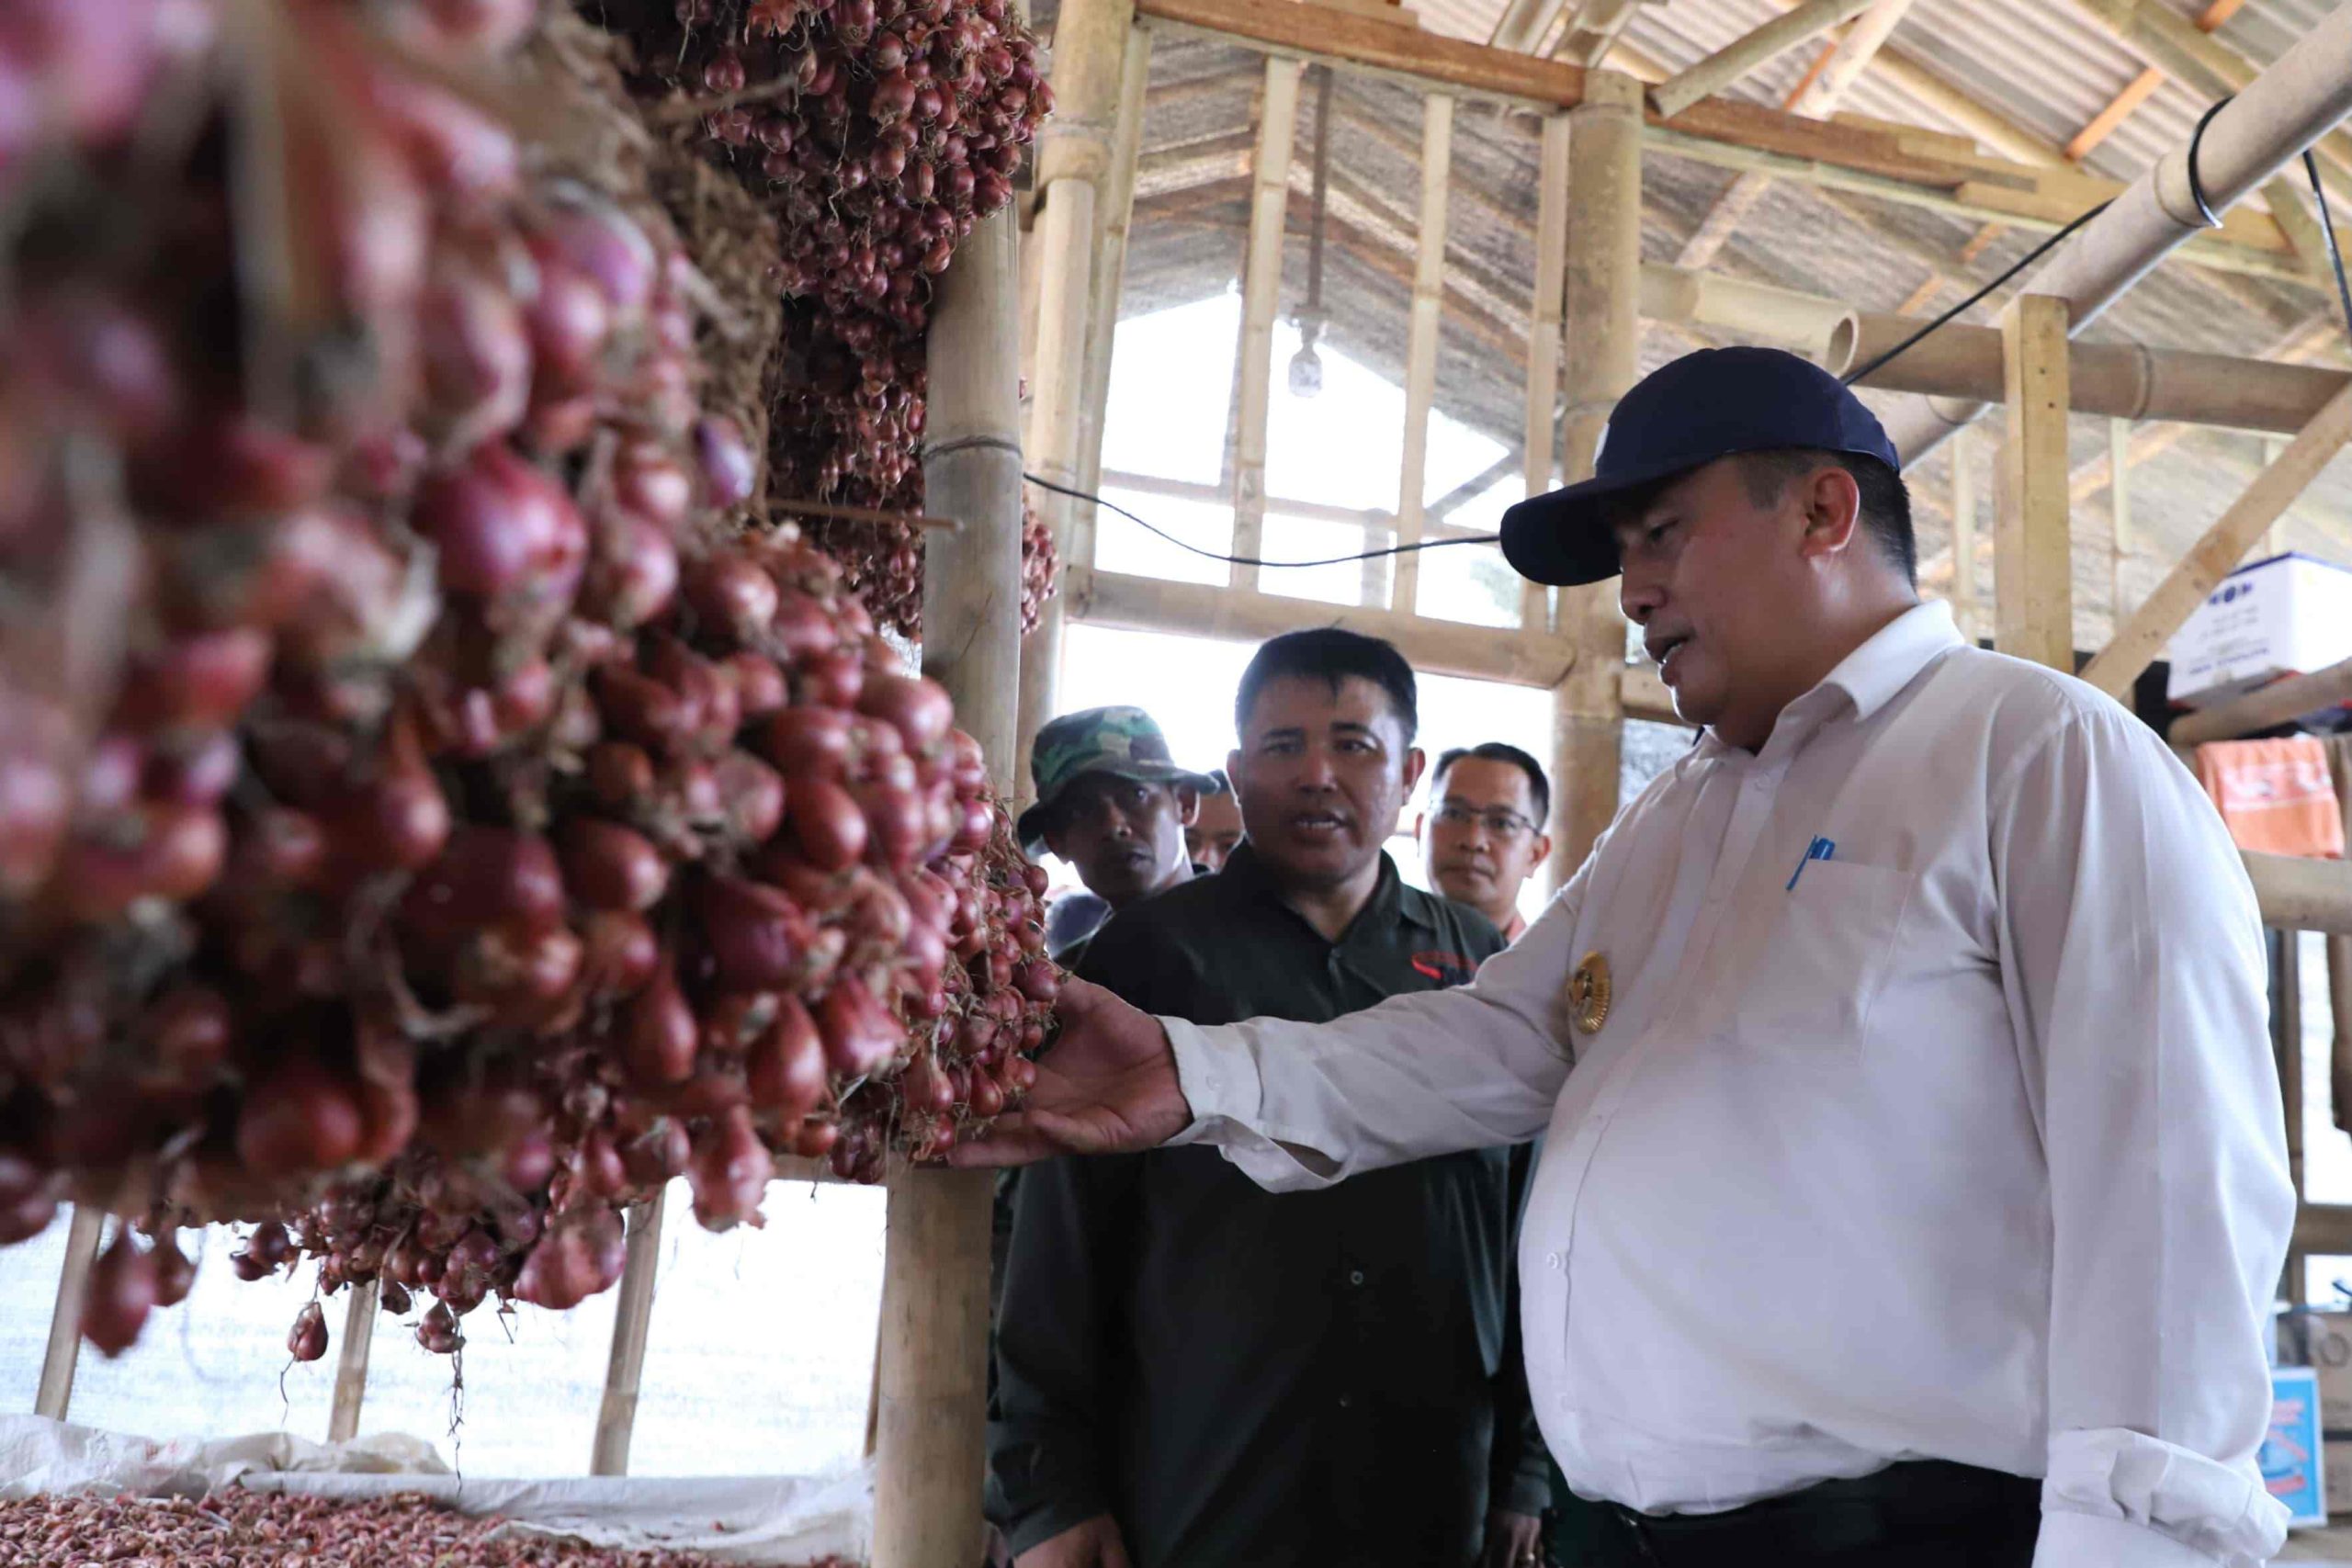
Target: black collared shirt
1254	1379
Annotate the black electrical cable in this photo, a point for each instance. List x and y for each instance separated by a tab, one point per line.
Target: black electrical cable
2035	254
2327	227
1253	560
2196	179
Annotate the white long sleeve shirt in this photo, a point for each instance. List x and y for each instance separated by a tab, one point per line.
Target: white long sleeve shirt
1967	1146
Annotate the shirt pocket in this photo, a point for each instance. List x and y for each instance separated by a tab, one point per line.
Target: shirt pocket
1822	954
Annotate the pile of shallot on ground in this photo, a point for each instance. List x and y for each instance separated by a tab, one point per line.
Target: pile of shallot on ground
436	808
235	1529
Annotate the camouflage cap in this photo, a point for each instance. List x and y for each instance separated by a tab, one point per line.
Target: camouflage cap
1121	742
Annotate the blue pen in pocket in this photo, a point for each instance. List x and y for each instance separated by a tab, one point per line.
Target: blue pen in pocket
1820	848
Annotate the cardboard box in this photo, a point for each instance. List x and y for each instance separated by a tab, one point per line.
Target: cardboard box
2337	1479
2293	1456
2287	616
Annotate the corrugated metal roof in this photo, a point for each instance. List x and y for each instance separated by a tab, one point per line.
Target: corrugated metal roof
2044	64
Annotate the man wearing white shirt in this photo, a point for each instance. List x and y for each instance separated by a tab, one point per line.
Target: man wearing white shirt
1914	1182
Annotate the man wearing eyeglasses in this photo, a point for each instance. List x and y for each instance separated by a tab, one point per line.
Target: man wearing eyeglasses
1483	835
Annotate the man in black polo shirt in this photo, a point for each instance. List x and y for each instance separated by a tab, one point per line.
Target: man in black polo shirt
1194	1372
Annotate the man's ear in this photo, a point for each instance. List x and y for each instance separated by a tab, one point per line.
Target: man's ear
1420	825
1188	805
1417	762
1543	848
1833	509
1054	837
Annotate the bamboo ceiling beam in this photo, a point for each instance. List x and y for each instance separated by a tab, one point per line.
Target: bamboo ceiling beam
1593	30
2122	107
1133	603
1523	24
2206	65
1761	44
1815	99
1916	167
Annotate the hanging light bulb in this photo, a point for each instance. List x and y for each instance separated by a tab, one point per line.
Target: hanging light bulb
1305	369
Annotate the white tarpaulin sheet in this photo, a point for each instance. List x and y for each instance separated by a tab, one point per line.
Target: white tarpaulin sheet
775	1520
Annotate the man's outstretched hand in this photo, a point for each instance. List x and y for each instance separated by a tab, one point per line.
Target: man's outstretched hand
1107	1086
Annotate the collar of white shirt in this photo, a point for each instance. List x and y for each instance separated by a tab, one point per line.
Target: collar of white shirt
1868	678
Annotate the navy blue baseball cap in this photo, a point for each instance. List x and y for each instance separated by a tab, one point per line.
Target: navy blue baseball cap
1681	416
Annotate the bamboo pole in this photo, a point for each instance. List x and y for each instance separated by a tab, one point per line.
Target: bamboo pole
1544	342
2120	107
632	1323
2286	1046
2281	702
2033	573
1260	295
1602	299
1964	541
2300	895
931	1412
2190	54
2224	545
1816	98
1764	42
1114	213
1710	298
2119	512
1595	29
1133	603
1421	346
2282	111
55	1394
1076	158
2125	381
351	1361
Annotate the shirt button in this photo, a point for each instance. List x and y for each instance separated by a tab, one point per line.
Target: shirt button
1551	1260
1355	1276
1345	1402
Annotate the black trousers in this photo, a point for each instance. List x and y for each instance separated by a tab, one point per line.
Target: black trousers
1923	1513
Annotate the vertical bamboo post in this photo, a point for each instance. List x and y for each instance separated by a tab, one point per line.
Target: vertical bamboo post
1421	346
1964	612
1114	213
1543	339
2033	575
2119	462
1262	287
56	1391
1603	285
2286	1037
1074	154
351	1360
932	1364
632	1321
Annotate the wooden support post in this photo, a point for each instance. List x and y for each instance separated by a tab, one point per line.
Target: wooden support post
56	1391
632	1319
2224	545
1261	287
2033	577
1544	341
1603	295
1964	612
2119	512
934	1359
351	1360
1420	345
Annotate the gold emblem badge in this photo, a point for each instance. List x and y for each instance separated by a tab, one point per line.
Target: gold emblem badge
1588	993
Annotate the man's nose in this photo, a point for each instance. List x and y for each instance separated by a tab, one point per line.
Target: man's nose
1639	594
1315	770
